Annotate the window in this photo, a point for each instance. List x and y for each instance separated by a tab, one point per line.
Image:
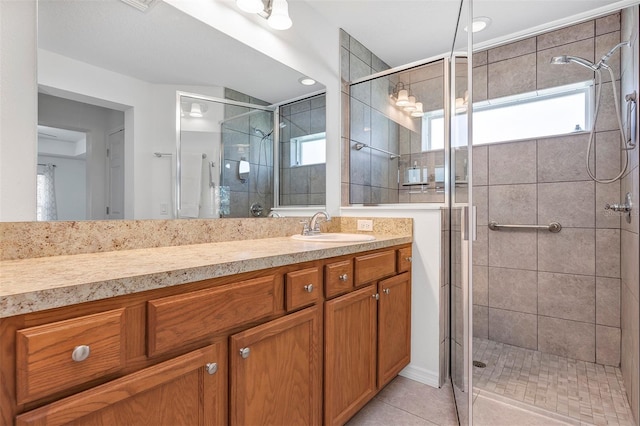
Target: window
549	112
308	150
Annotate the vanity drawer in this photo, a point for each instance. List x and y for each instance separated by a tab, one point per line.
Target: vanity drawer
374	266
63	354
338	278
304	288
404	259
176	320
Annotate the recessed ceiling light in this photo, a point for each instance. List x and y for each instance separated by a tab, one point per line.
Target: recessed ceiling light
307	81
480	23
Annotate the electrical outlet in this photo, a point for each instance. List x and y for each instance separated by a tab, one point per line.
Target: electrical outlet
365	225
164	209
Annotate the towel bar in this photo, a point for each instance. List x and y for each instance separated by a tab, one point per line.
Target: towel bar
552	227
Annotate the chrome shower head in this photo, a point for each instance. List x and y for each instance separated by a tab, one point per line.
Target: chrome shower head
566	59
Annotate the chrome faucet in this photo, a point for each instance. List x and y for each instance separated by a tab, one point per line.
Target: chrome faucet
313	226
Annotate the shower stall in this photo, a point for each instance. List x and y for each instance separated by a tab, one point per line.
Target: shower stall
224	163
553	299
531	163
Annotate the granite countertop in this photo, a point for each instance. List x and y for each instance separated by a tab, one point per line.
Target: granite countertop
30	285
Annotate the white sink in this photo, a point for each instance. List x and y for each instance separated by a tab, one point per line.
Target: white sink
334	238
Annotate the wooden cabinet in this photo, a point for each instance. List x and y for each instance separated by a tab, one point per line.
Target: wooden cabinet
303	288
188	317
276	372
372	267
367	343
394	327
57	356
187	390
338	278
297	344
349	354
404	259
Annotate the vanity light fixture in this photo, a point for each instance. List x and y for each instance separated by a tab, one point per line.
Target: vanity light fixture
196	111
479	24
411	106
276	12
418	111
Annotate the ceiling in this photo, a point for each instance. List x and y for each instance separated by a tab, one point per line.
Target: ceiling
404	31
166	46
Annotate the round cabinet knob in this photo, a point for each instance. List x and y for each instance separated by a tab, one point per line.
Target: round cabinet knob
80	353
244	353
343	277
212	367
308	288
386	291
408	259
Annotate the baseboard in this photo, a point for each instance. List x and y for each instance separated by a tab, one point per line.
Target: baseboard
421	375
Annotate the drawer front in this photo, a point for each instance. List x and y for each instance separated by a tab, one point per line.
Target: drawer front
404	259
338	278
176	320
45	354
303	288
374	266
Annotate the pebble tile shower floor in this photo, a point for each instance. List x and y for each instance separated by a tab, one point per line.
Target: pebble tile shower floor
584	391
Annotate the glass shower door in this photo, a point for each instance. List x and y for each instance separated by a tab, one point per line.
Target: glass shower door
461	215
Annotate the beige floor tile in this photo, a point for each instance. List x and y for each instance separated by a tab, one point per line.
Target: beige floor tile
487	412
435	405
378	413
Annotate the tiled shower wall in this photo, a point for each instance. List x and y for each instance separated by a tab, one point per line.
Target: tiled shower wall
240	141
630	317
301	185
372	180
554	292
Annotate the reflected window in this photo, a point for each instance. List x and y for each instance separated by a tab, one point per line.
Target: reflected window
309	150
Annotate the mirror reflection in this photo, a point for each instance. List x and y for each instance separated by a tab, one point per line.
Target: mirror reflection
111	72
302	135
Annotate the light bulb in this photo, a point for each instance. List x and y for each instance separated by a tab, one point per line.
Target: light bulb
279	18
411	106
250	6
418	111
403	98
196	111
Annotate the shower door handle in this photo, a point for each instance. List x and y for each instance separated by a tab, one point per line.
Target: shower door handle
468	223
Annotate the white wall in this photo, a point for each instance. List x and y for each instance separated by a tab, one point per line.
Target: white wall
70	186
18	110
425	285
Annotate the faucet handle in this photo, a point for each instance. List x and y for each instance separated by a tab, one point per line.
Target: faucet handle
305	227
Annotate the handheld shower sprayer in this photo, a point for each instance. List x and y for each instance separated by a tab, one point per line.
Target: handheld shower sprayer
602	63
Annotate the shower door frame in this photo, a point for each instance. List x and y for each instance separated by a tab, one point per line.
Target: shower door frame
179	95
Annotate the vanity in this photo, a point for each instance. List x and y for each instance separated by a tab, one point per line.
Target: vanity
286	332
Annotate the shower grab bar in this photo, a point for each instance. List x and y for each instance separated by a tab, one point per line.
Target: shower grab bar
552	227
169	154
391	155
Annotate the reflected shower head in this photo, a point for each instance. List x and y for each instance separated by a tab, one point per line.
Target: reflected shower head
566	59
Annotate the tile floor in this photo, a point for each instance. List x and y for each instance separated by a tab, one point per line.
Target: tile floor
575	392
518	387
406	402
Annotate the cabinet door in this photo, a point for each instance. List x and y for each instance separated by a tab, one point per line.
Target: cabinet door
394	327
276	372
186	390
350	354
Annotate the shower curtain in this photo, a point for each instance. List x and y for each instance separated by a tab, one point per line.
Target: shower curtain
46	193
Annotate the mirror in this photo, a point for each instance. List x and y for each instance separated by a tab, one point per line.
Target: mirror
110	70
302	152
